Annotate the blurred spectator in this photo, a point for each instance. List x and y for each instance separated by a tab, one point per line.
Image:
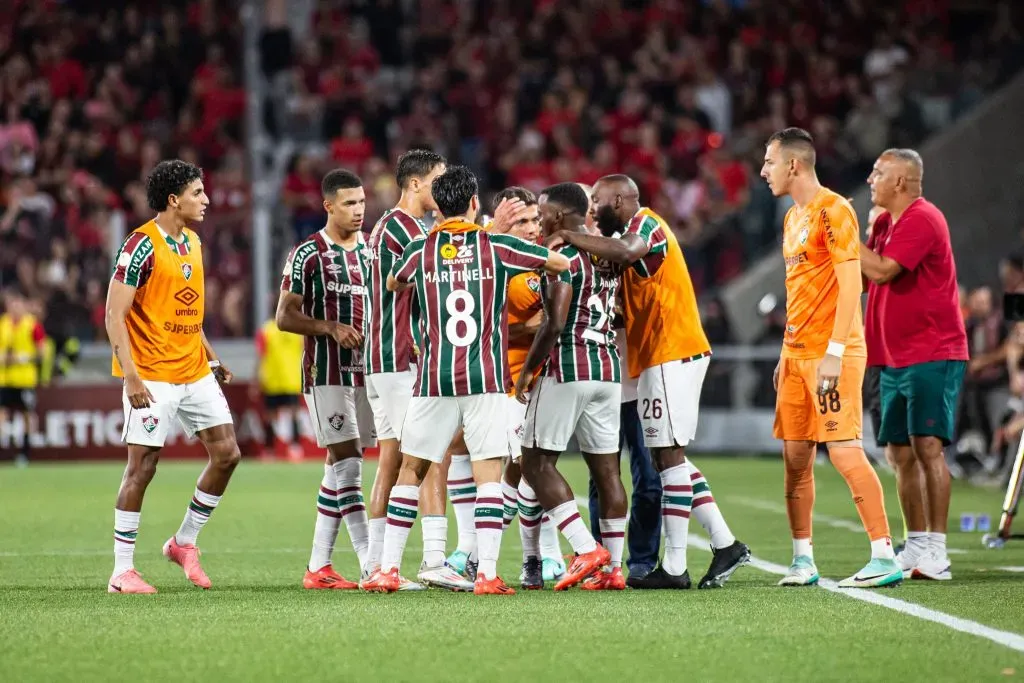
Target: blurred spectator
986	371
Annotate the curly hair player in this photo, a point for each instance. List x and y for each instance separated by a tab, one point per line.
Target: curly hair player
154	319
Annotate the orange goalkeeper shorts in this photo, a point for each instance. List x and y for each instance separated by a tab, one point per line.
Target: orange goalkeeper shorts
801	414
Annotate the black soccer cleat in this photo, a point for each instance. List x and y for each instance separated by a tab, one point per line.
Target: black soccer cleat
724	563
533	575
471	568
660	579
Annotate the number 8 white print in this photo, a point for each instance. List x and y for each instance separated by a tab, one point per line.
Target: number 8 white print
597	332
464	316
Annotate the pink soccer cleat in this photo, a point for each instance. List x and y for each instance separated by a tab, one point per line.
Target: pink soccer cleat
129	582
187	557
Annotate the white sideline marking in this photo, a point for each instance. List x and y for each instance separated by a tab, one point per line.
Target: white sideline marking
1018	570
1008	639
827	520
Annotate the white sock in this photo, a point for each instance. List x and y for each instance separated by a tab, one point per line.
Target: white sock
937	542
550	546
918	541
530	513
462	494
488	527
706	511
328	520
567	518
676	502
435	539
196	516
376	546
803	546
401	516
882	549
126	528
510	503
349	475
613	537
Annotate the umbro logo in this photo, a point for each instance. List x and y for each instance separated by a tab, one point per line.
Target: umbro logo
187	296
831	425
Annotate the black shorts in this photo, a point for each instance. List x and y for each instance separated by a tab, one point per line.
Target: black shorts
873	400
15	399
277	401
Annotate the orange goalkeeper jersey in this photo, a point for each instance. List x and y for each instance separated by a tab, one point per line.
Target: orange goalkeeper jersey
815	239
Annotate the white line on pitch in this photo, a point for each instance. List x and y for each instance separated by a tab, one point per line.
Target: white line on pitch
1017	570
827	520
1008	639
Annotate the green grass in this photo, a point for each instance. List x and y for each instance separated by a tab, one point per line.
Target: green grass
58	623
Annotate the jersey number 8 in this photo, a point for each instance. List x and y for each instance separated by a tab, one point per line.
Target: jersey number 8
460	306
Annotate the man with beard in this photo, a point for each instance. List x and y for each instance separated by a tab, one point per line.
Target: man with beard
669	353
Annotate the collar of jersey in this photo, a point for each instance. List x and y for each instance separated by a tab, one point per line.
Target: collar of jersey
455	225
334	246
171	242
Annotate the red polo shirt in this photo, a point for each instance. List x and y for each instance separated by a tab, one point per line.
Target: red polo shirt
915	317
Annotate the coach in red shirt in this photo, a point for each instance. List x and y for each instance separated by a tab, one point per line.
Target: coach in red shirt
915	333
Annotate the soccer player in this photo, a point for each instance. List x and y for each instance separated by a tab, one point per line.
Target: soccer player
915	333
22	356
821	372
669	353
389	361
460	274
154	320
279	388
578	393
324	300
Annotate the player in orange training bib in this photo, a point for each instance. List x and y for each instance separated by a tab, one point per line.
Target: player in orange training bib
155	325
821	371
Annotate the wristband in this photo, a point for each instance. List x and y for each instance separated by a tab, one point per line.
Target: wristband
835	349
214	364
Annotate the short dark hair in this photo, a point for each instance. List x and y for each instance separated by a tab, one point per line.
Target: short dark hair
339	179
453	190
795	140
569	195
416	163
515	192
169	177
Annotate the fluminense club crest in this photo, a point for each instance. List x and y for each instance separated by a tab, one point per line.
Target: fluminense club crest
337	421
150	423
186	270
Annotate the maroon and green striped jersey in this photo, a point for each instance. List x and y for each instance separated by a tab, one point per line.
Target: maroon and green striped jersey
390	327
329	279
586	349
461	275
645	225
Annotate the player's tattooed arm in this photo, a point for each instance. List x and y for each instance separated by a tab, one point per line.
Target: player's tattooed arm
290	318
556	312
119	301
623	250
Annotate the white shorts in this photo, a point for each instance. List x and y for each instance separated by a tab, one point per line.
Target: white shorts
389	394
432	421
589	409
340	414
197	406
670	402
516	419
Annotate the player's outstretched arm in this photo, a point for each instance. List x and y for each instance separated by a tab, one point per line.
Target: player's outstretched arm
556	312
290	318
120	298
623	250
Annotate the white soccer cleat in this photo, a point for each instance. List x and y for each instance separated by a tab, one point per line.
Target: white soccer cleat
908	558
934	566
444	577
878	573
405	584
802	572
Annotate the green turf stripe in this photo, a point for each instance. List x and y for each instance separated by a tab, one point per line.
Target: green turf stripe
685	501
326	502
489	512
401	512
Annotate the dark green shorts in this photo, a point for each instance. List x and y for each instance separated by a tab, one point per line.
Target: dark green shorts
920	400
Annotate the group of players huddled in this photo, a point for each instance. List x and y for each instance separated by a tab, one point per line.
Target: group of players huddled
472	355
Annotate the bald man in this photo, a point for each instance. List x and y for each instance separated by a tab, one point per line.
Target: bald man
915	333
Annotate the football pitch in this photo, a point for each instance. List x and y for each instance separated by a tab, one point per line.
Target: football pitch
57	622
